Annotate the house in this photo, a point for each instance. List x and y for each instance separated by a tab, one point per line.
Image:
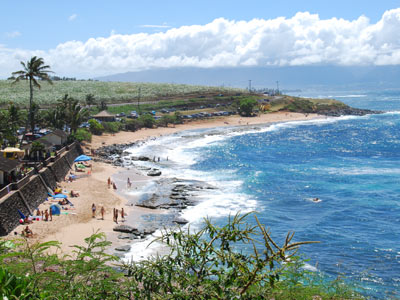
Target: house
12	153
58	138
104	116
8	170
48	147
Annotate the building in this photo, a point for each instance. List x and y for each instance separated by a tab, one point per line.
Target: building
104	116
8	170
58	138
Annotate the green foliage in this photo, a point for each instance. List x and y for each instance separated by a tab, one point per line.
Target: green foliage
147	121
37	146
108	91
246	106
81	135
112	127
132	125
300	105
13	287
203	265
95	127
165	120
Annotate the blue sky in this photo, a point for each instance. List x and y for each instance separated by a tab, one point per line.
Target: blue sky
41	27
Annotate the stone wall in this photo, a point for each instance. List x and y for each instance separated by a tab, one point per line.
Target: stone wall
35	191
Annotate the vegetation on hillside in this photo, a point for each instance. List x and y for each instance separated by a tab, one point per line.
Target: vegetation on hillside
111	92
203	265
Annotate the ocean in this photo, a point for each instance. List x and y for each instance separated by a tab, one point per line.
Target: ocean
352	164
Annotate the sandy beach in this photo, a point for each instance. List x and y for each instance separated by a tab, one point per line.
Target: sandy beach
74	225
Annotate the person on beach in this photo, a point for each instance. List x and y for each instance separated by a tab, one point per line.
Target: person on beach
46	215
114	186
109	182
122	214
129	183
93	210
38	214
51	214
102	211
27	232
116	215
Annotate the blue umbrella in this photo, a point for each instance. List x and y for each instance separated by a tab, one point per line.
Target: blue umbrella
82	158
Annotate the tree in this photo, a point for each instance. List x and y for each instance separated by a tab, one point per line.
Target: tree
95	127
74	113
102	105
147	121
33	70
246	107
90	100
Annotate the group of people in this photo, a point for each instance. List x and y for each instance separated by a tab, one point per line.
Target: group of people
116	213
46	214
111	183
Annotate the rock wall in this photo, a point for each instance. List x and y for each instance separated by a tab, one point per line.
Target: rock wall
35	190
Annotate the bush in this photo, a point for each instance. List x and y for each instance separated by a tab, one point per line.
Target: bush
112	127
246	107
132	125
95	127
147	121
207	264
80	135
165	120
303	106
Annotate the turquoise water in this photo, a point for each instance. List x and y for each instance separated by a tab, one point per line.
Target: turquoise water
351	163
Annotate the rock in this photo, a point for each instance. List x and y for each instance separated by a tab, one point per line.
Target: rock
125	228
128	236
180	221
148	231
154	172
125	248
120	255
143	158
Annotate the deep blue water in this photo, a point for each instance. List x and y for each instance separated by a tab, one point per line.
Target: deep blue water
351	163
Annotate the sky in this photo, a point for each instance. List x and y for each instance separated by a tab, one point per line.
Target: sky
86	39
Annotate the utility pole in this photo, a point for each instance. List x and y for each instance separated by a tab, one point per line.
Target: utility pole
138	101
250	85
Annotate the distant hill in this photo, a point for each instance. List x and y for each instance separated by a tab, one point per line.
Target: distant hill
288	77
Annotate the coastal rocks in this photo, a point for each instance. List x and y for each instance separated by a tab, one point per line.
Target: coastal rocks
180	221
347	111
172	194
124	248
154	172
125	228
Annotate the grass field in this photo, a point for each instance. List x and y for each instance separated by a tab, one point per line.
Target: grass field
111	92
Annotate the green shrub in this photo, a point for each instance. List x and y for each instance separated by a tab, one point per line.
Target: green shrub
147	121
298	105
207	264
165	120
132	125
95	127
80	135
246	106
112	127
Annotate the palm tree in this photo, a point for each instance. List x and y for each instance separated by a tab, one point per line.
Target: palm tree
90	100
74	113
33	70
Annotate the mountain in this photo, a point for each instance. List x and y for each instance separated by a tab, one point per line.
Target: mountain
288	77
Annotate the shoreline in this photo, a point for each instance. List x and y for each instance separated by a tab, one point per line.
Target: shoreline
73	228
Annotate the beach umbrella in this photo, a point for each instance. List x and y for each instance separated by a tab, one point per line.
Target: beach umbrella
82	158
60	196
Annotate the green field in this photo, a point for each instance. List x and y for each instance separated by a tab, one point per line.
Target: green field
111	92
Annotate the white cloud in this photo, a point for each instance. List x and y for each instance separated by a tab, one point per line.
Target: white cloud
72	17
13	34
304	39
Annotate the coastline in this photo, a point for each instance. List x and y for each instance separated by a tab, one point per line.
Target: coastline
73	228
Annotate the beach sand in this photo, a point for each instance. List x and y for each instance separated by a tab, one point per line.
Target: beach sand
73	228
